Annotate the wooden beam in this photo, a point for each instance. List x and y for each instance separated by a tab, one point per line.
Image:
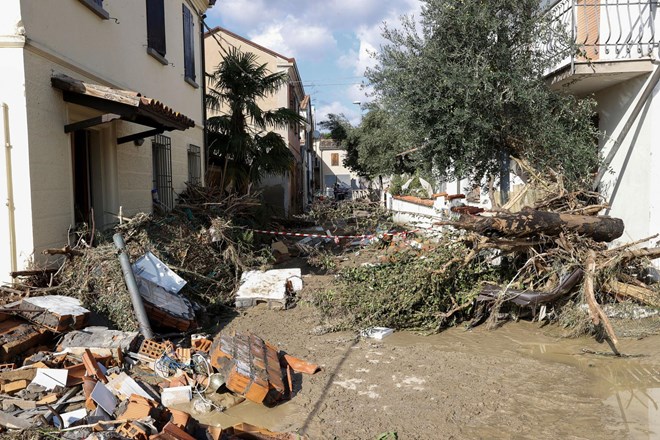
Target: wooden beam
142	135
91	122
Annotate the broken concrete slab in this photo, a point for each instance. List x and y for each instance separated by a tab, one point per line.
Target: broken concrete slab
270	287
11	422
99	340
55	312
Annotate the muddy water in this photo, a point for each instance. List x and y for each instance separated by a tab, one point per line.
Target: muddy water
629	387
519	381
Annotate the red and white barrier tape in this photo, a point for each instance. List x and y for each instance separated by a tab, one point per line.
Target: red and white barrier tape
336	238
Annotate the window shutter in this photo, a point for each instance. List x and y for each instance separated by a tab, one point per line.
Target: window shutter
156	26
188	44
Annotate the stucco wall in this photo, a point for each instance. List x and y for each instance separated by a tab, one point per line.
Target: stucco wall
12	93
116	52
629	187
83	46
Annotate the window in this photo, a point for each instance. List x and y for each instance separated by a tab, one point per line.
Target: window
161	154
156	30
188	46
96	6
334	159
194	165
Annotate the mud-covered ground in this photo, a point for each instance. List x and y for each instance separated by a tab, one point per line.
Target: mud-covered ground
520	381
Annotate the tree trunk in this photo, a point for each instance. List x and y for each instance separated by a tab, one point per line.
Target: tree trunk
530	222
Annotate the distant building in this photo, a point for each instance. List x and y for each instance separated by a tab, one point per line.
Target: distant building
285	194
331	168
105	110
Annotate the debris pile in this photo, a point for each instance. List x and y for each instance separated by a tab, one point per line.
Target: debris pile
544	261
96	382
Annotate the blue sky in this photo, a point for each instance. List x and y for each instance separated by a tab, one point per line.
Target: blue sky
330	40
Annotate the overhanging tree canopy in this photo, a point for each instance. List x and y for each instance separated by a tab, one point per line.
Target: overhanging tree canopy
468	85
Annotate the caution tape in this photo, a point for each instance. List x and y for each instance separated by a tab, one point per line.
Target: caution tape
336	238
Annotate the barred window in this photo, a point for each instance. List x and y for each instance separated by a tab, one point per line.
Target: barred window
162	192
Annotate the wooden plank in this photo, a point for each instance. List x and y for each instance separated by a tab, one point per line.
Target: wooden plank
142	135
91	122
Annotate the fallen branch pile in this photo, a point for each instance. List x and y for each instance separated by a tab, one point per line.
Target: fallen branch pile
542	261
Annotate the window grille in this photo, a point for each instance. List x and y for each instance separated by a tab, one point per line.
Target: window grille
194	165
161	151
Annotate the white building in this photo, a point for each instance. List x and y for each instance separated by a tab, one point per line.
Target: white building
103	105
619	66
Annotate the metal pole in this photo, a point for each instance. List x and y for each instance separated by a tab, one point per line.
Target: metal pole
131	284
10	191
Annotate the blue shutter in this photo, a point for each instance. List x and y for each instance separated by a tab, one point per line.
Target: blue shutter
156	26
188	44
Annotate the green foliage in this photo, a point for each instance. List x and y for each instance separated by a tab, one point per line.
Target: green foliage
337	126
409	291
240	140
395	185
469	86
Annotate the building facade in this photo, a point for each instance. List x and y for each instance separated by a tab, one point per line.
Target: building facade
284	194
618	65
103	112
331	167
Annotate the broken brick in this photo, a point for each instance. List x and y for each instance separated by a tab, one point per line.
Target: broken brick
17	337
92	366
152	350
132	431
251	367
15	386
55	312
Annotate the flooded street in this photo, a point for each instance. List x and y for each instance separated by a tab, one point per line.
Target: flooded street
519	381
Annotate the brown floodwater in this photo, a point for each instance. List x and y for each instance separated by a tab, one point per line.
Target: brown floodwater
588	386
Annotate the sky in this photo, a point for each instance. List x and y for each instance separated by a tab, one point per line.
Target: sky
330	40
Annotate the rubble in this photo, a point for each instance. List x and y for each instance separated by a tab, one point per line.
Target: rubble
81	390
272	287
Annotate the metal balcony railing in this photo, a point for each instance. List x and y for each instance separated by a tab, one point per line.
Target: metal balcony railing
603	30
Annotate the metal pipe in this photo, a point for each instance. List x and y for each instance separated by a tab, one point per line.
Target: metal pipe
10	191
646	93
131	285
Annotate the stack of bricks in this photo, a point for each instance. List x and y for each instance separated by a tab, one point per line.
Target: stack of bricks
251	367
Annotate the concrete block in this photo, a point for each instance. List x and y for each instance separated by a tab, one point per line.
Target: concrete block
175	395
268	286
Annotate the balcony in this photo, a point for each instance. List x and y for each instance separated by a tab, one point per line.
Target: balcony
615	40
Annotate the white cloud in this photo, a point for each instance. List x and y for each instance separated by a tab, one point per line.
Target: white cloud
295	39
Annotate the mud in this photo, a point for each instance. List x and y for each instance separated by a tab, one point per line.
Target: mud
520	381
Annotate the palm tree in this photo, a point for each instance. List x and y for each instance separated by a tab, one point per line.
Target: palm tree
240	140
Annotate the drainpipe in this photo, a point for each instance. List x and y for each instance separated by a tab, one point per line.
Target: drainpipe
10	191
203	81
639	105
131	285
